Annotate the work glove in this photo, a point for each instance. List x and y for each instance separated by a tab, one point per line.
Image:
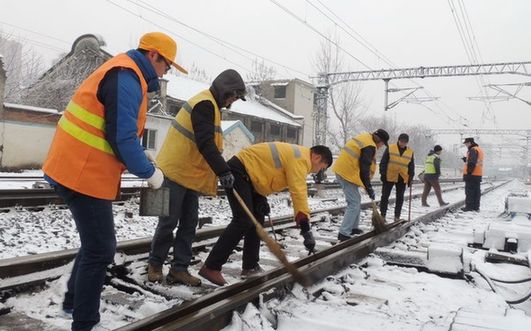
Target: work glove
227	180
304	224
261	207
370	192
155	181
463	158
150	156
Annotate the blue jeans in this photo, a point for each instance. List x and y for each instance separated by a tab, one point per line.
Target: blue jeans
184	210
95	224
351	220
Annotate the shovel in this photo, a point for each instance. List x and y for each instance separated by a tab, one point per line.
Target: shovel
272	245
377	220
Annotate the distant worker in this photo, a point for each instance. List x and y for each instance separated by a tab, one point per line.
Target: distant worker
432	172
354	168
472	175
191	160
397	167
260	170
97	138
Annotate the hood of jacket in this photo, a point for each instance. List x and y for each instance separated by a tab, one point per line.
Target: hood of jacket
227	84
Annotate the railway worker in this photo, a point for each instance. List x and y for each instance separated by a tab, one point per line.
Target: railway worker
354	168
97	138
260	170
472	175
191	161
432	172
397	167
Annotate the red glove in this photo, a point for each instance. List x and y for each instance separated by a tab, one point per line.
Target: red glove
302	221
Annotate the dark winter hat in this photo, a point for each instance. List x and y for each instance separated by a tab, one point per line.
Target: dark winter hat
382	134
437	148
469	140
403	137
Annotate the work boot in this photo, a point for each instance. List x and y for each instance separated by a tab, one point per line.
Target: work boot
355	232
214	276
342	237
465	209
397	218
442	204
425	204
182	277
155	273
246	273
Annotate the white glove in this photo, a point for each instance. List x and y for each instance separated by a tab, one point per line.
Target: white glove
155	181
149	156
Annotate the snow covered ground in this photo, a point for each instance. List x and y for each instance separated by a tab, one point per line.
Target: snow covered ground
375	296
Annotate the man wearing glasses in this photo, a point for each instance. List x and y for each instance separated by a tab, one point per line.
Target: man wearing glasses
191	160
97	138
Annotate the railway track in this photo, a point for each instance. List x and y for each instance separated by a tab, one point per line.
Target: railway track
39	197
314	267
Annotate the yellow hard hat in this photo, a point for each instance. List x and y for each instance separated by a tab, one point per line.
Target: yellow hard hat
163	44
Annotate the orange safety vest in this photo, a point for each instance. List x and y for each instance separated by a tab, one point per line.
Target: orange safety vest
80	157
180	159
347	164
398	164
478	170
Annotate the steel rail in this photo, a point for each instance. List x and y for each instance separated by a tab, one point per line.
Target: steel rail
213	311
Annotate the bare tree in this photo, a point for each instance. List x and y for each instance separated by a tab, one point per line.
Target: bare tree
23	66
198	74
344	99
260	72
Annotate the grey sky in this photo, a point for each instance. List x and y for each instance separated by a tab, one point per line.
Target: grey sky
408	32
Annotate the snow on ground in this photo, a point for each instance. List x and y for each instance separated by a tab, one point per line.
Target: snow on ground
375	296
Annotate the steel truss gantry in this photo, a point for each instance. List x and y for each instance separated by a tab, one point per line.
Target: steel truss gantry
326	80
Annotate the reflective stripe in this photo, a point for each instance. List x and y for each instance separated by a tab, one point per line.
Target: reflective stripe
187	107
276	157
84	136
406	158
86	116
351	152
398	164
183	130
359	143
296	151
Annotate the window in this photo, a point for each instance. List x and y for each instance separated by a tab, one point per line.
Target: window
275	130
149	139
256	126
292	133
280	91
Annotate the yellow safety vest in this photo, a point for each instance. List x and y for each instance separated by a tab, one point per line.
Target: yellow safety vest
398	164
429	166
347	164
180	159
275	166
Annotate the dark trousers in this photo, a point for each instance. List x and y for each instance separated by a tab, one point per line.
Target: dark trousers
428	184
472	192
240	226
387	187
95	224
184	210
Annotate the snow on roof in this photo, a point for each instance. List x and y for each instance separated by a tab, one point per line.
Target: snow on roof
280	84
183	88
31	108
228	126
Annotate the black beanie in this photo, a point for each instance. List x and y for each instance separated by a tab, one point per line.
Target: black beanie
403	137
437	148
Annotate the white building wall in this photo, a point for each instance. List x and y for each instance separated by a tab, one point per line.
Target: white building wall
161	126
303	106
25	145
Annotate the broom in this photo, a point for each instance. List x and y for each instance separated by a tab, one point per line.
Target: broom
377	220
272	245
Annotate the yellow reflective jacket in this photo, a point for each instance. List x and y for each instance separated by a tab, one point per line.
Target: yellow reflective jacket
398	164
180	159
347	164
275	166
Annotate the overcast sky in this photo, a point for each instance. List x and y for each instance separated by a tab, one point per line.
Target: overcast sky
409	33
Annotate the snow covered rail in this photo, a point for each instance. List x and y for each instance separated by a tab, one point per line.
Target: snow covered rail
213	311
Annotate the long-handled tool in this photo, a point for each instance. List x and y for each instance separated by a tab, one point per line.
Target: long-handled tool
272	245
377	220
410	196
272	228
